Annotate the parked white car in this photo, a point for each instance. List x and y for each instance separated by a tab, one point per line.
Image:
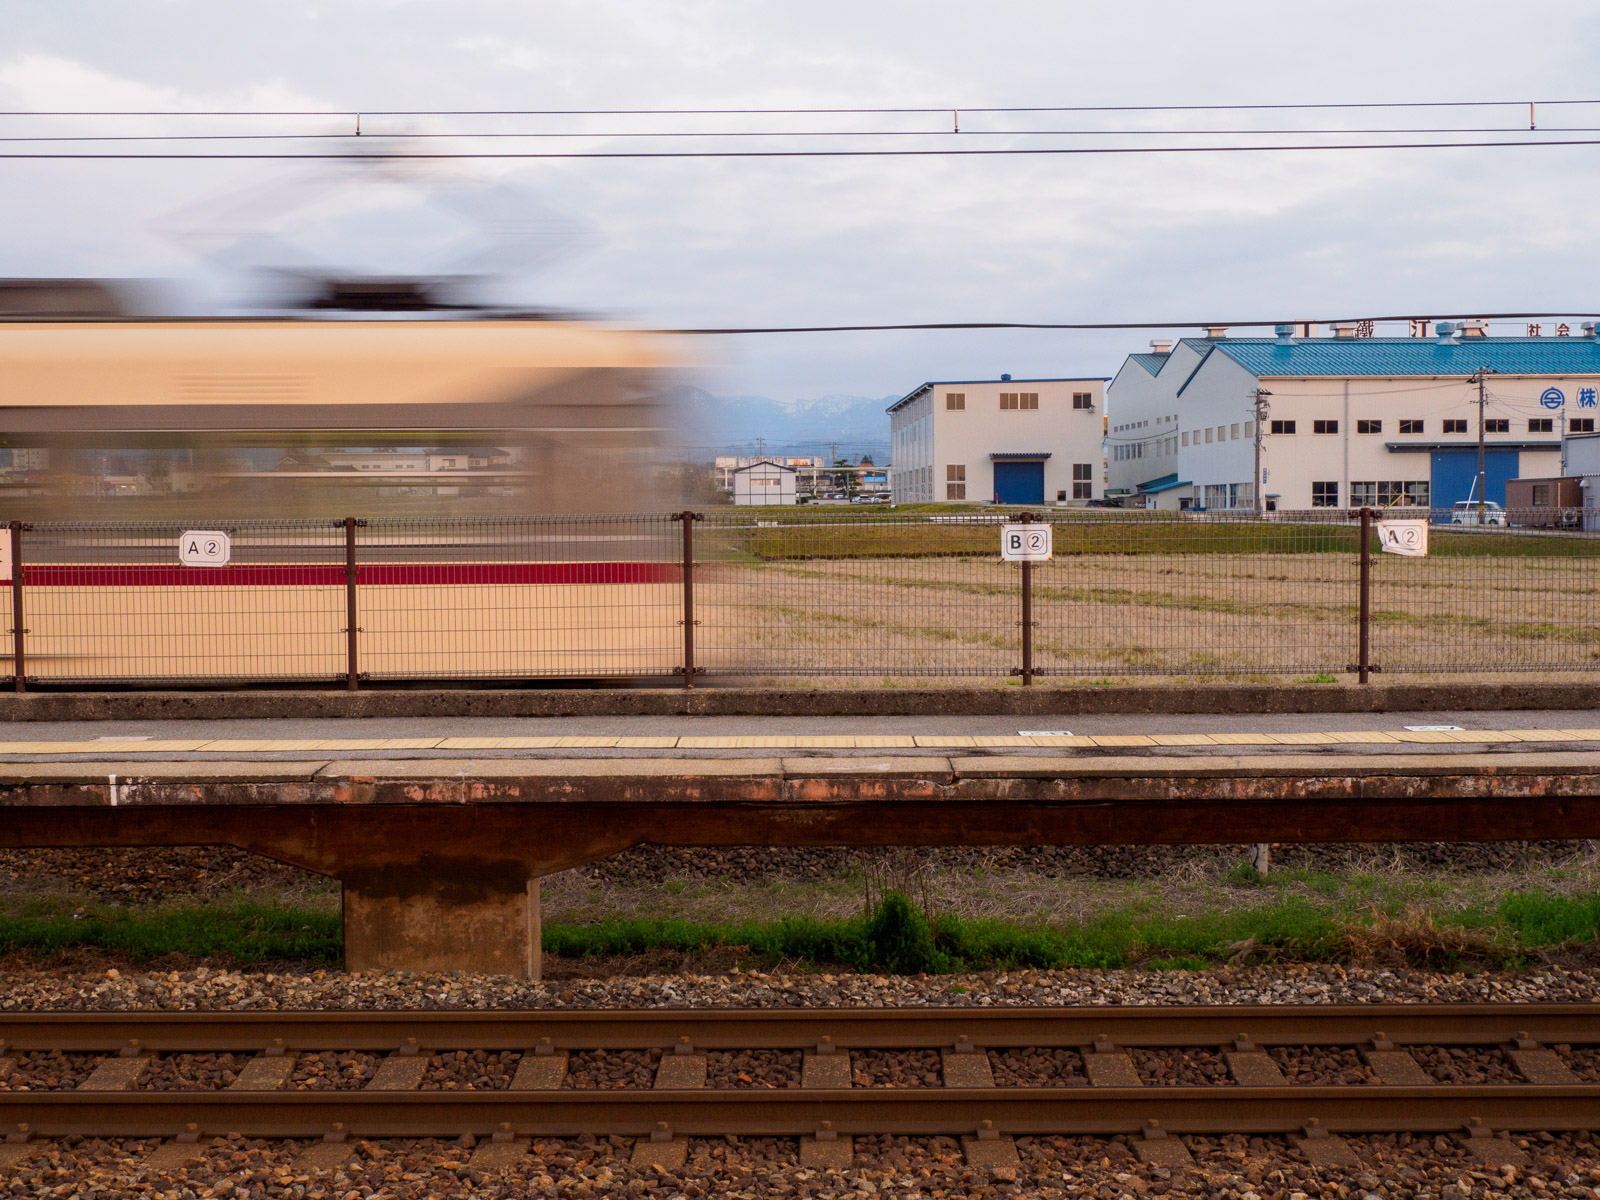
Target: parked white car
1466	513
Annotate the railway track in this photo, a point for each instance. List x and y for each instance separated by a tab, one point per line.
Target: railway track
1109	1071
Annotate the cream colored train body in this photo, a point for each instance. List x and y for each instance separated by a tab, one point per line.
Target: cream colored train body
579	406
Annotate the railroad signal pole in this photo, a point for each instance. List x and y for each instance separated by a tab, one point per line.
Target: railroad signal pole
1262	409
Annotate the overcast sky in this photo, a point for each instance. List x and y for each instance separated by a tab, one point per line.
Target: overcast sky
827	241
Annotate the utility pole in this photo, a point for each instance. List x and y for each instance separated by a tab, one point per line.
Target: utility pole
1262	408
1480	380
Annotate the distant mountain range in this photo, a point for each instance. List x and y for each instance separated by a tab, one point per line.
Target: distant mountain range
732	424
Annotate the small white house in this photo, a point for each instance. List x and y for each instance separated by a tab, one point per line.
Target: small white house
764	483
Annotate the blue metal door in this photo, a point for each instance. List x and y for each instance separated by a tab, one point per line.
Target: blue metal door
1456	471
1019	482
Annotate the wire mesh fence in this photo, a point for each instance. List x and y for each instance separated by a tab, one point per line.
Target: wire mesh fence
1514	596
837	594
524	598
823	593
114	604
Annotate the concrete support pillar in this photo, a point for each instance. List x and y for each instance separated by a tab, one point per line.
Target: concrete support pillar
437	927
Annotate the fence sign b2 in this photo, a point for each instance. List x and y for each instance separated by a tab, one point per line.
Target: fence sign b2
1025	543
1409	537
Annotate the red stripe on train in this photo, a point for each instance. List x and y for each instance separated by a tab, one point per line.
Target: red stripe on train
101	575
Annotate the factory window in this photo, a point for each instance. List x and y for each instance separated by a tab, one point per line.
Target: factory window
1366	426
955	491
1384	492
1580	424
1249	429
1008	400
955	473
1208	435
1541	425
1324	427
1082	481
1222	433
1282	427
1455	425
1541	495
955	400
1029	399
1233	431
1082	400
1185	439
1325	493
1497	425
1410	425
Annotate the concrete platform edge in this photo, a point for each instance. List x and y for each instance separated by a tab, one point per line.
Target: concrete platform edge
1175	699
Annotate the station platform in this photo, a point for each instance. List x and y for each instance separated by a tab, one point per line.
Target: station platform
439	839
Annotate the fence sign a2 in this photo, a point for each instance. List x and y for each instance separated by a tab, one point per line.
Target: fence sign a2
1408	537
205	548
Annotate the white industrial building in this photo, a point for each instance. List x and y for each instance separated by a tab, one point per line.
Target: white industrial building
765	483
1580	459
1005	441
1349	420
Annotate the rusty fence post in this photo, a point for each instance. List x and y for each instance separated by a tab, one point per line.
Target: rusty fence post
1027	614
1363	656
688	517
352	630
18	632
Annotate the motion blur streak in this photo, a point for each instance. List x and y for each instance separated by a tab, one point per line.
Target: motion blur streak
110	414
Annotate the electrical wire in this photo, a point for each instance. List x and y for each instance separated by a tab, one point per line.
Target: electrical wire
865	111
1120	325
367	136
942	152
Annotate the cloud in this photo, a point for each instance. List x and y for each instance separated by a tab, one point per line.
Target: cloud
822	241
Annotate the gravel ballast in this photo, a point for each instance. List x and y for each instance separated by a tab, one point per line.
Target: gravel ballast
1322	1066
753	1068
1032	1066
116	990
330	1071
1230	1168
192	1072
896	1068
612	1068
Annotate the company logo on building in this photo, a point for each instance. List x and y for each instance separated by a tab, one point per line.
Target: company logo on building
1552	398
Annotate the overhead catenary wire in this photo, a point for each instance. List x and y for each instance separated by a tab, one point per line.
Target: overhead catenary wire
815	111
641	155
1120	325
369	136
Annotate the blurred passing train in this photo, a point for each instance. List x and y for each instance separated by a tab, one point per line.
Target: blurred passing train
313	417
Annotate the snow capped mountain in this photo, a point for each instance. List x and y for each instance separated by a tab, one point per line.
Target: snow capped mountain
732	424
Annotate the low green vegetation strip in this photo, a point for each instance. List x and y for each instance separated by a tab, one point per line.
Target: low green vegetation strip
778	535
896	937
243	933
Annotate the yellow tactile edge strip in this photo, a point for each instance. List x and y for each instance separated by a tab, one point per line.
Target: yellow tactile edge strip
863	741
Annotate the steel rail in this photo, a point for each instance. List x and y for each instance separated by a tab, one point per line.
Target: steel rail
778	1029
795	1112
